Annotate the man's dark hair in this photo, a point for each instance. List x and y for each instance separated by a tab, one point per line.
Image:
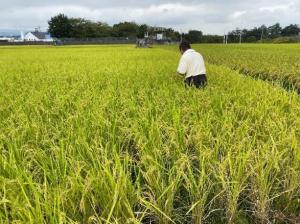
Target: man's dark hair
184	45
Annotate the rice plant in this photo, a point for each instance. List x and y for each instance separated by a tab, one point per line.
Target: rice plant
109	134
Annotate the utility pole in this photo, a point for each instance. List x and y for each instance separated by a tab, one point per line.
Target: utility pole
240	37
262	33
226	39
181	36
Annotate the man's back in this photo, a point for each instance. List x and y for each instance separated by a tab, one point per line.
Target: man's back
191	64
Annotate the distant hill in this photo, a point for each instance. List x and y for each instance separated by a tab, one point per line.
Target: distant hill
4	32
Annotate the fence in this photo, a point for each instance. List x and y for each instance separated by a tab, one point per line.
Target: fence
25	43
105	40
88	41
76	41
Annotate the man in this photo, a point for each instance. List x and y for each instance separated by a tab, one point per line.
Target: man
192	66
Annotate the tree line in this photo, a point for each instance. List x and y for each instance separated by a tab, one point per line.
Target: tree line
61	26
263	33
256	34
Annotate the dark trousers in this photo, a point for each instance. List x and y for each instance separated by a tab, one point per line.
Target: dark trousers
197	81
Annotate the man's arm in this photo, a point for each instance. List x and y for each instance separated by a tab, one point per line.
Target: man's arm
182	67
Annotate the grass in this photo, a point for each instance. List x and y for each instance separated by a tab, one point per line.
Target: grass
109	134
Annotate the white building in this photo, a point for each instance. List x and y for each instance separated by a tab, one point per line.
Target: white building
6	39
159	36
38	36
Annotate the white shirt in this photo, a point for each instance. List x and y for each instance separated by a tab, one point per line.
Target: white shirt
191	64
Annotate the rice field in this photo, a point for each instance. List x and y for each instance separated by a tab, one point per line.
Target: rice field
109	134
272	62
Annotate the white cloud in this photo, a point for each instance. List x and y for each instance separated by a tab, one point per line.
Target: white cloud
238	14
275	8
164	14
213	16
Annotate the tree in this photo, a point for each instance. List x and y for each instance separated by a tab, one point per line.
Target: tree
142	30
172	34
60	26
255	34
103	29
274	31
82	28
212	39
264	32
79	28
291	30
234	36
194	36
125	29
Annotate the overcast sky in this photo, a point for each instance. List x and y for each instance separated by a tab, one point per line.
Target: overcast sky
210	16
